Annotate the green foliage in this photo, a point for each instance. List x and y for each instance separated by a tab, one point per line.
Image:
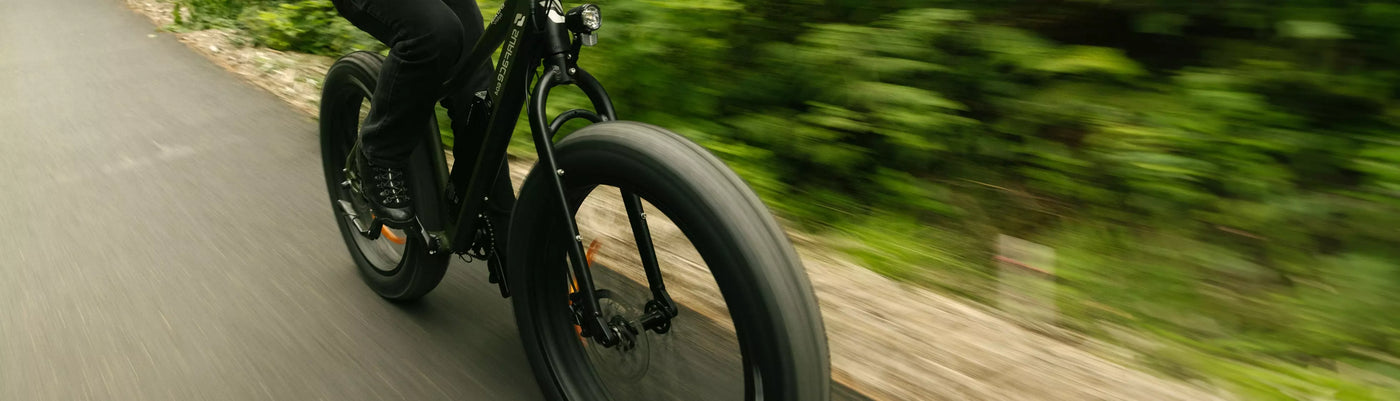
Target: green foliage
1204	170
204	14
310	26
1221	176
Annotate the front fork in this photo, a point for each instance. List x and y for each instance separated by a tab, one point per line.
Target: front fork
560	70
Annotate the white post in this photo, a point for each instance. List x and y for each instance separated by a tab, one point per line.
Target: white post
1026	276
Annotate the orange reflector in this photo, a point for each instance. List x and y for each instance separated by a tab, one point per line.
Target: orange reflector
395	238
592	249
573	285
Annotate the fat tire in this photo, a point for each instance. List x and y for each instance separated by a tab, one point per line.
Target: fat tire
774	309
350	80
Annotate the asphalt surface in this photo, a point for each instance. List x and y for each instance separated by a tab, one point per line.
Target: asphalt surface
165	235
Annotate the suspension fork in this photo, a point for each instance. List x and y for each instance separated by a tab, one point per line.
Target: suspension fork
591	317
660	309
561	70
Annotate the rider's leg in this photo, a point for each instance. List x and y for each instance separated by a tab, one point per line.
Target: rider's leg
459	106
425	38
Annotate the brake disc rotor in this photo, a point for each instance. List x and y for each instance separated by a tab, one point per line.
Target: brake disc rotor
627	364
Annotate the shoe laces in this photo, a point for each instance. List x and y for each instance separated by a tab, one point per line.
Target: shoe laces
390	185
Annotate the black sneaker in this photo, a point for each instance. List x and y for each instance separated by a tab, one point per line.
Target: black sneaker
387	191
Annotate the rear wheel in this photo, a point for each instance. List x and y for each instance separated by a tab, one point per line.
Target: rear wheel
394	263
748	325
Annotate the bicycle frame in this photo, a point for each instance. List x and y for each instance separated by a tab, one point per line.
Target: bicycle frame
530	34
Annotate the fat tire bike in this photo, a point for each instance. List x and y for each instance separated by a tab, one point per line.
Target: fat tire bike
532	244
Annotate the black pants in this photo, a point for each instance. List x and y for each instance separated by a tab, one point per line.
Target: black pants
426	38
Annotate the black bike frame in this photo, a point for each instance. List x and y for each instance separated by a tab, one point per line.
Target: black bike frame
533	34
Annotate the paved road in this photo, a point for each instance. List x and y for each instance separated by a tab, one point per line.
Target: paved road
164	235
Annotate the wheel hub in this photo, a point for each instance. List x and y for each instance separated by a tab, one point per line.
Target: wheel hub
626	331
631	357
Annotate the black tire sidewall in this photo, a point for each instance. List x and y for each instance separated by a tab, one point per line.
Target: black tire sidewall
778	324
418	272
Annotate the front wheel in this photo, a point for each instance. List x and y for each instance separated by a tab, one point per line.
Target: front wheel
394	263
757	336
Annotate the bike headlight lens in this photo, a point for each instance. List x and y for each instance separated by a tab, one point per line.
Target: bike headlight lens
585	18
592	17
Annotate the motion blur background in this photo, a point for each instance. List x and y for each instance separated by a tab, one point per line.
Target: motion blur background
1219	180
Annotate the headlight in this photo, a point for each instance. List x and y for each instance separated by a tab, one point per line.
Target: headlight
584	19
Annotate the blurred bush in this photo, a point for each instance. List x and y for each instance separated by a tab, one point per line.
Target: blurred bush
1207	171
308	26
1223	176
204	14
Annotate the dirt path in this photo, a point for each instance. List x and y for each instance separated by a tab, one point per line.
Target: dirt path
889	340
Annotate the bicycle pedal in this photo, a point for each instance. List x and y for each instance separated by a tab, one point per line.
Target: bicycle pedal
365	228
